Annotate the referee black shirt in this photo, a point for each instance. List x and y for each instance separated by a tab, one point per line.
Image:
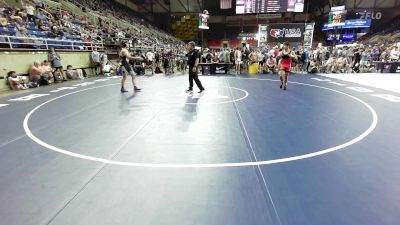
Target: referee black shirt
192	56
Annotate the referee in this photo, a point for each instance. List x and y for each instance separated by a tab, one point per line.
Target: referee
193	61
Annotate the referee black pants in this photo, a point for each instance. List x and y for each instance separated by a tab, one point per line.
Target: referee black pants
195	77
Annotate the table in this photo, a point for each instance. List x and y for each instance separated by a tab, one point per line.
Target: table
214	68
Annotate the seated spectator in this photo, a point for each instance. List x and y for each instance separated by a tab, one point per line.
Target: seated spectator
313	68
47	71
41	26
35	72
330	64
74	74
3	21
108	69
269	66
16	82
342	64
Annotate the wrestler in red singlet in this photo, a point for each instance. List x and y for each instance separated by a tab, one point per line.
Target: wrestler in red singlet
286	57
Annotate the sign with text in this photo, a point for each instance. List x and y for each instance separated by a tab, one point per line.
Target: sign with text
290	32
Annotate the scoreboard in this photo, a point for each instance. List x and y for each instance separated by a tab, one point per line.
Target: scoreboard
268	6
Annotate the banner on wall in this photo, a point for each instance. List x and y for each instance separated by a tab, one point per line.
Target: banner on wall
286	32
203	21
308	35
350	24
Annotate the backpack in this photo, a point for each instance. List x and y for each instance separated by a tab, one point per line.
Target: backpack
158	70
57	77
44	80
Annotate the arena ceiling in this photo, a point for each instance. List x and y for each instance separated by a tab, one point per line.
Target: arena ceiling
195	6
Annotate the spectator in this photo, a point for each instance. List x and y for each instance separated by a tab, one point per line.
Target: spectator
108	69
55	60
96	61
313	66
16	82
35	72
74	74
30	12
269	66
3	21
47	71
364	62
41	26
394	54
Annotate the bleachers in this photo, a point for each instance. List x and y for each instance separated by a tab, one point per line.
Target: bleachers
149	36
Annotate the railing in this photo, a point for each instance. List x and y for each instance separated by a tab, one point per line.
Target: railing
46	43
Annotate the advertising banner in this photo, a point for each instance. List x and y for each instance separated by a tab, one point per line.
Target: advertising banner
285	32
349	24
203	21
309	35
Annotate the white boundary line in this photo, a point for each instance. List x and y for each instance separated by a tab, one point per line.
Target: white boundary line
253	153
371	128
246	94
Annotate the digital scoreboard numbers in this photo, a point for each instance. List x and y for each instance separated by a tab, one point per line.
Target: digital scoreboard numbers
268	6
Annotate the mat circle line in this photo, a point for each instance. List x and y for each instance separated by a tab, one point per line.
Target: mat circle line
362	136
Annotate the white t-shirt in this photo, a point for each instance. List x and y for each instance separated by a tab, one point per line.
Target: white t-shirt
394	54
150	56
96	56
30	10
260	56
238	56
104	57
107	68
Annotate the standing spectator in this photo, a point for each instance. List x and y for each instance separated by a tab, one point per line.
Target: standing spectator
305	57
238	60
96	61
357	59
364	60
221	56
261	61
227	56
150	60
104	60
375	54
394	54
30	13
55	60
232	56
